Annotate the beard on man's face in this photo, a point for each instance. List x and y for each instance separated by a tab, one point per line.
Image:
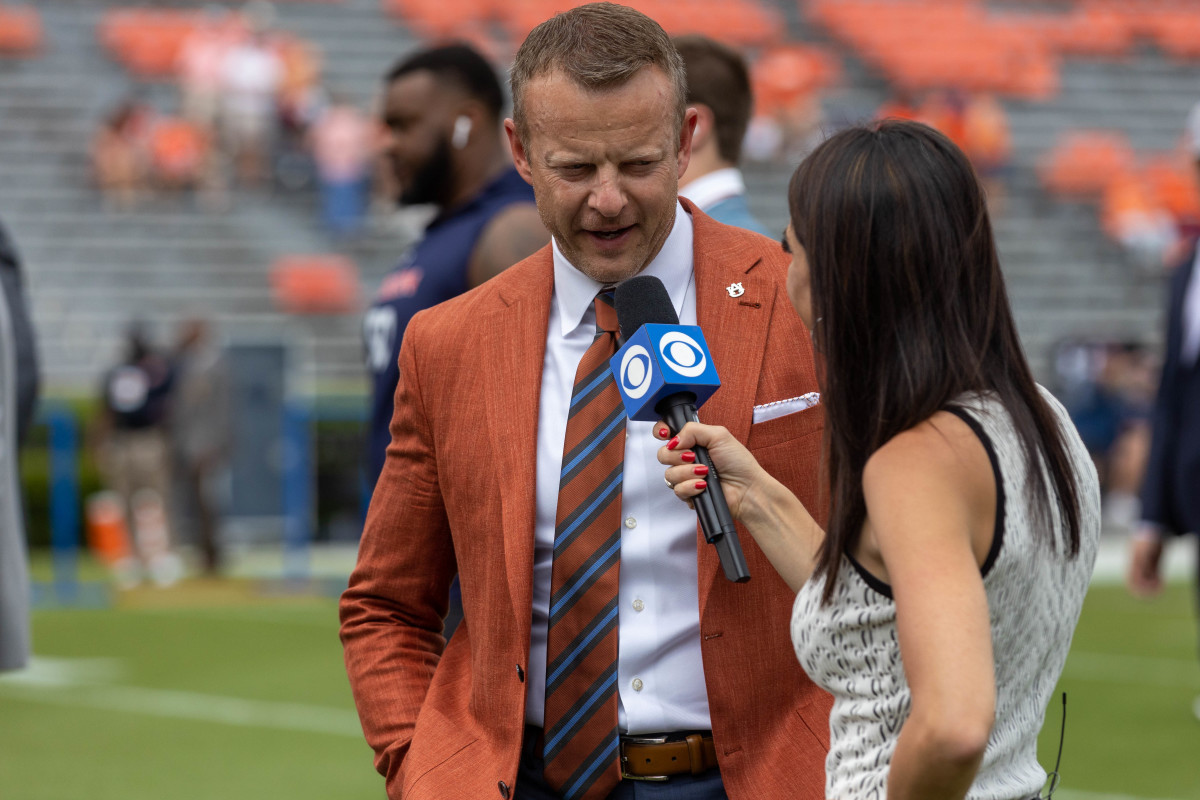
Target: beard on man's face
431	181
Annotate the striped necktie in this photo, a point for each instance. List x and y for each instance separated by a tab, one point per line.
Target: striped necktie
581	656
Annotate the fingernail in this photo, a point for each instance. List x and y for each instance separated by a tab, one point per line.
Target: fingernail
701	484
671	445
663	432
700	469
689	456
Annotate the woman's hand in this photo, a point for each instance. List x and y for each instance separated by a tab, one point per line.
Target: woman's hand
733	462
779	523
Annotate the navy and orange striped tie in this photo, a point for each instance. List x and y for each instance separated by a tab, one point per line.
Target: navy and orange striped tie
581	654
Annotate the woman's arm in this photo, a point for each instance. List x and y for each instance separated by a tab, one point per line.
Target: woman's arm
930	495
780	524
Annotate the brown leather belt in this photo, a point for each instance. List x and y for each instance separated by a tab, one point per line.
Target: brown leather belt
654	758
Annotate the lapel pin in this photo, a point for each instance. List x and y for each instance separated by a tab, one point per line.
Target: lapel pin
735	290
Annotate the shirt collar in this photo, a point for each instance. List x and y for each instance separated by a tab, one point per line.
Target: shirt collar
574	291
708	190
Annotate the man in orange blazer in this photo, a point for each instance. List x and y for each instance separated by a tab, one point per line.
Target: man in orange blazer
703	697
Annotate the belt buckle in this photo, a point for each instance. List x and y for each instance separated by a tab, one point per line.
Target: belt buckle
625	759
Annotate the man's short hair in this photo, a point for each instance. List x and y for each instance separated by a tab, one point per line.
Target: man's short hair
598	46
718	78
460	66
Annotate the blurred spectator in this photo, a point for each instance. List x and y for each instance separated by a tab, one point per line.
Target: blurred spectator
118	154
18	395
201	65
1108	389
342	142
200	429
988	144
719	90
132	451
251	78
946	111
1171	492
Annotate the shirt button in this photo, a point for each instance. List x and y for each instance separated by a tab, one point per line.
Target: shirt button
503	787
520	674
638	605
630	523
637	684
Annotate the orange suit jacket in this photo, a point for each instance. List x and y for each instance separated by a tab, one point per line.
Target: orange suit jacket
457	494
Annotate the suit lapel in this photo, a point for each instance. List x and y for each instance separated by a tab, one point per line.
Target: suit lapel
512	372
736	331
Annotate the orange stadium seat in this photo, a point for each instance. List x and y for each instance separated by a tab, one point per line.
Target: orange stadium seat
1084	162
315	284
1094	29
786	73
147	41
20	31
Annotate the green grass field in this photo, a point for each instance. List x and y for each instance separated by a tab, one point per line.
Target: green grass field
218	693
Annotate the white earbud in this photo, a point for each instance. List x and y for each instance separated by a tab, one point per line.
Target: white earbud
462	132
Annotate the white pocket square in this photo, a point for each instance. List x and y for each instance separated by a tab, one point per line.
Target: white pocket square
781	408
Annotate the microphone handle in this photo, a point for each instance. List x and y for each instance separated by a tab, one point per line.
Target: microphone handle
715	519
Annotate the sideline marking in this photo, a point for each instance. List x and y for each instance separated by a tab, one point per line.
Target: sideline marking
82	683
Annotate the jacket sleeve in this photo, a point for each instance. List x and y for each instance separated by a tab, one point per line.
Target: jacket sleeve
393	610
25	346
1156	485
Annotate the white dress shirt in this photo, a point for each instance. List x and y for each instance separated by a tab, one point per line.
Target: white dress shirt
708	190
659	669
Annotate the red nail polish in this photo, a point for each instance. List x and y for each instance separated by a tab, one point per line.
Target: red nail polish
700	469
663	432
671	445
689	456
701	484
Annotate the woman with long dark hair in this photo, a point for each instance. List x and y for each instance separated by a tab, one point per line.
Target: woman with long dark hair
939	604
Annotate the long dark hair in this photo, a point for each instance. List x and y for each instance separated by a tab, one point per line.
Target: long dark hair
912	312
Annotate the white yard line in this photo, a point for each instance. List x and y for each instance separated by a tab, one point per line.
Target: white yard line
83	683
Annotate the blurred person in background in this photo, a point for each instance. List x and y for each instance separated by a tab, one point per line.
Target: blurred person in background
719	90
939	603
342	145
200	431
251	77
119	154
18	398
133	451
442	110
1171	491
988	144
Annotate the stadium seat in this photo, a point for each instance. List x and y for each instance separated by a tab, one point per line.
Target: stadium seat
783	74
147	41
20	32
315	284
1084	162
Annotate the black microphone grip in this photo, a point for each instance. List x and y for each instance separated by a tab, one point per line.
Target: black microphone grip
716	521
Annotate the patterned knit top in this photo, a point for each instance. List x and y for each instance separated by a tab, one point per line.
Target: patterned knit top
1034	594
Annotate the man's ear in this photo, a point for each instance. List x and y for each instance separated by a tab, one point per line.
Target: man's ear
517	148
705	126
687	133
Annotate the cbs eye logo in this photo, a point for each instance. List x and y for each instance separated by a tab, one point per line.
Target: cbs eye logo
636	372
683	354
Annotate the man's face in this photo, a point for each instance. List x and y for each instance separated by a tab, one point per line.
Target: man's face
604	166
417	114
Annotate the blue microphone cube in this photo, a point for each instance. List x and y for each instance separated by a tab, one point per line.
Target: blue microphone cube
658	361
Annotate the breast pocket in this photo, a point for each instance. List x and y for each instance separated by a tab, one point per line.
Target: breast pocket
785	428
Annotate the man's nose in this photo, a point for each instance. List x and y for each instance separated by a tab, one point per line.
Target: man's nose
607	197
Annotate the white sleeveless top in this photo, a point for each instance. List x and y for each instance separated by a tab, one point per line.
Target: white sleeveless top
1034	594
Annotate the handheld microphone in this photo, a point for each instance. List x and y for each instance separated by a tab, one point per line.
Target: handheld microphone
663	371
